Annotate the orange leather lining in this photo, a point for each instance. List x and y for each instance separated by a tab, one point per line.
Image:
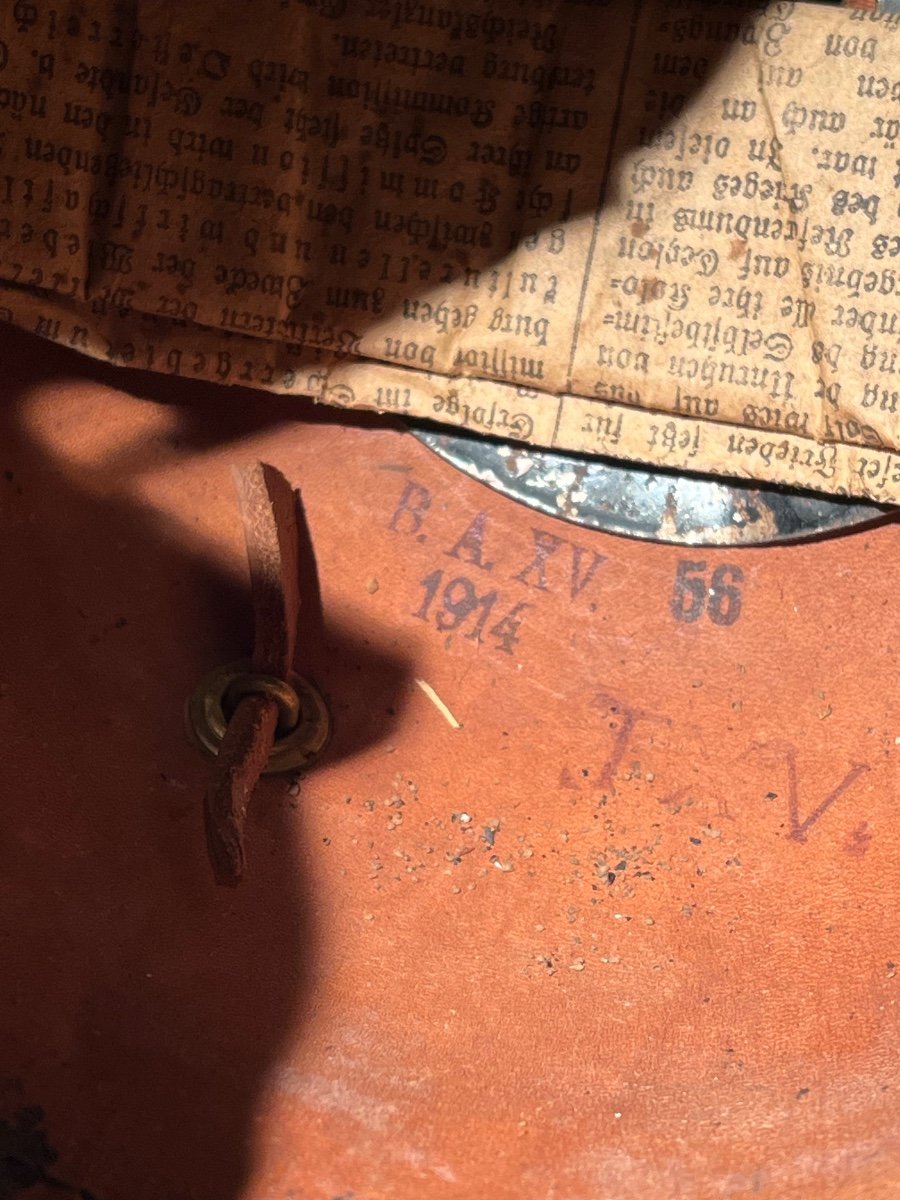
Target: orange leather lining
658	959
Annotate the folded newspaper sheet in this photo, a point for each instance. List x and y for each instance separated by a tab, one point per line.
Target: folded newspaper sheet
659	230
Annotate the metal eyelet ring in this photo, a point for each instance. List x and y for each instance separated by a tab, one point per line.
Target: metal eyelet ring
253	684
215	697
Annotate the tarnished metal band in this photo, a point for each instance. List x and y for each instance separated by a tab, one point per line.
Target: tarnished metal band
215	697
626	498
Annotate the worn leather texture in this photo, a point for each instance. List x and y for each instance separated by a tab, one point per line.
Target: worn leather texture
625	927
269	509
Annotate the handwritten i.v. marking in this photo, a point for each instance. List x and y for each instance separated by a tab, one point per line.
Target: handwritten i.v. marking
799	829
628	717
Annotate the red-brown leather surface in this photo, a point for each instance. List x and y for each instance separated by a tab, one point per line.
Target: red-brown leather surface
629	931
269	509
233	777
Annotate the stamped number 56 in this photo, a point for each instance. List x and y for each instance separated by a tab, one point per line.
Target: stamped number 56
696	592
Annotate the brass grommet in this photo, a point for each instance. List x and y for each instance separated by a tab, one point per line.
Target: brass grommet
216	694
254	684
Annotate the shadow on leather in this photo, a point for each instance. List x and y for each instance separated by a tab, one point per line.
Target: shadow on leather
144	1010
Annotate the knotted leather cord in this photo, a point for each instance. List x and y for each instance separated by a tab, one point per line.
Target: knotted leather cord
268	507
